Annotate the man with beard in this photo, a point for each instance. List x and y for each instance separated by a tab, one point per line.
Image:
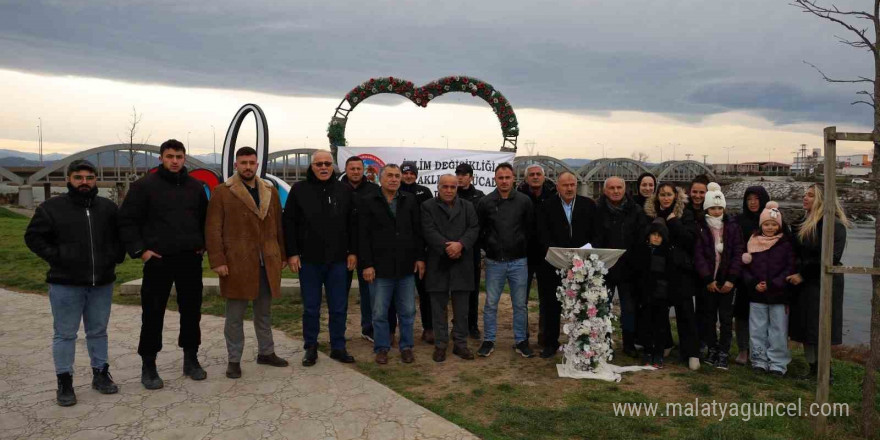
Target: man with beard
245	244
619	225
320	241
76	233
162	222
410	172
467	191
361	187
538	189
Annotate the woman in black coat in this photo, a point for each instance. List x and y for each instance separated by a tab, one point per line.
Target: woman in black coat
803	324
670	204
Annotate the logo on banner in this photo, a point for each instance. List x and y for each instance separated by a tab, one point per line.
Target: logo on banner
372	166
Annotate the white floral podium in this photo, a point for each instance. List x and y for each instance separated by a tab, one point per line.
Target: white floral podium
586	313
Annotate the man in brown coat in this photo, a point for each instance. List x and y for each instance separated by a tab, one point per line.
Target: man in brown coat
245	245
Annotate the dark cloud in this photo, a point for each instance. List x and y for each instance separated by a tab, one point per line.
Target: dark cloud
683	58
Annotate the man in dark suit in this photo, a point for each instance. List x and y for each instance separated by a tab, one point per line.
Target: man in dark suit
565	220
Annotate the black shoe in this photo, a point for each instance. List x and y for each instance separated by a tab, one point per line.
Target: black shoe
462	352
233	370
778	374
102	381
757	369
524	349
646	359
342	356
474	333
271	359
548	352
191	366
630	350
65	395
486	348
367	334
723	362
310	357
711	357
149	376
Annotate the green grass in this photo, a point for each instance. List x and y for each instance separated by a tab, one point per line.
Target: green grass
533	404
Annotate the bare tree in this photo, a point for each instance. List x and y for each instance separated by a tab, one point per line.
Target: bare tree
131	131
639	156
863	28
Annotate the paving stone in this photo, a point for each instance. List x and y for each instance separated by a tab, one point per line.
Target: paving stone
329	400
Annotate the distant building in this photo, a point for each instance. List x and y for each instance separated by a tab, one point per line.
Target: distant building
735	168
775	168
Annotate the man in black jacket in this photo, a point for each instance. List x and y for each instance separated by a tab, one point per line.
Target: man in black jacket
565	220
76	233
321	238
162	222
361	187
467	191
619	224
391	250
410	171
505	225
539	190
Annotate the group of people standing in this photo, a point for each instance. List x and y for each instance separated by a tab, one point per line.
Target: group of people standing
400	241
753	270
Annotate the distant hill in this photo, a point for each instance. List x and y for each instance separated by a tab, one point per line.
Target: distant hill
576	163
31	156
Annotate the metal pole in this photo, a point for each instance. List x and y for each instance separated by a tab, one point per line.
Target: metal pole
828	217
214	157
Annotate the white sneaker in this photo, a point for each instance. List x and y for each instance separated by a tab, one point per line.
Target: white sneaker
694	363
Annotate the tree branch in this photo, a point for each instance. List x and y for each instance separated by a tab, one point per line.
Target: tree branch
811	7
861	79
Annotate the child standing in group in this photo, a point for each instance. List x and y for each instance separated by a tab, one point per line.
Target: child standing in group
769	259
654	263
718	261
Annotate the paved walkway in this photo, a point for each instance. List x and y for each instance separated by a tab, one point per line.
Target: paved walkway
328	400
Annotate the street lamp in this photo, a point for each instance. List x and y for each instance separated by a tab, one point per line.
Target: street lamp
214	133
187	139
661	152
603	148
447	141
728	157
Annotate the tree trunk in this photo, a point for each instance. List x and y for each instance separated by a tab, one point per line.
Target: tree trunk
869	414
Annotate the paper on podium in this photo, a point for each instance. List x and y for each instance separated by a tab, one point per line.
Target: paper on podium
560	258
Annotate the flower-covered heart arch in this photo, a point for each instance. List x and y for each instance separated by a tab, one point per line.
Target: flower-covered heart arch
421	96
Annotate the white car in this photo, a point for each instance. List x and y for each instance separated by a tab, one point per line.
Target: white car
859	181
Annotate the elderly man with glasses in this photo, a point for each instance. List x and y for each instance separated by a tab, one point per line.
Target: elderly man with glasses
320	240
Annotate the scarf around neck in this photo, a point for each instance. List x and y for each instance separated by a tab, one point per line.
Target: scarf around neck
760	243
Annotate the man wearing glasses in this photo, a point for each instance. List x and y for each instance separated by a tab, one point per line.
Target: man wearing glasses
320	240
76	234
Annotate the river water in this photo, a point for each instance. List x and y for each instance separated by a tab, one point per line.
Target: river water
857	292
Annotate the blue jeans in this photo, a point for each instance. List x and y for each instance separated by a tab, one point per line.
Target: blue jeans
514	272
70	304
402	292
312	277
768	337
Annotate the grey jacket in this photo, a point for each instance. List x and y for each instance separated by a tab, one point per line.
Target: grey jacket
440	224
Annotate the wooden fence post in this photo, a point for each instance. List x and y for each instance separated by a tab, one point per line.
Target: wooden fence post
830	193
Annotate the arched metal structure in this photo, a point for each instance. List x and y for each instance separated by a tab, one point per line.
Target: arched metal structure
12	177
553	167
280	164
147	150
420	96
601	169
681	171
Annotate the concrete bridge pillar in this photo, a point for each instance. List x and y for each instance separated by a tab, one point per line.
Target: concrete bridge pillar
26	196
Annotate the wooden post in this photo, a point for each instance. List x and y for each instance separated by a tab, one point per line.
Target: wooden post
828	217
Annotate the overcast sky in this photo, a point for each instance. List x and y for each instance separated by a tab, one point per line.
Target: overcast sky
581	74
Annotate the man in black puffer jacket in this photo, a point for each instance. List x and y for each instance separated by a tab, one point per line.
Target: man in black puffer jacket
162	222
76	234
619	225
